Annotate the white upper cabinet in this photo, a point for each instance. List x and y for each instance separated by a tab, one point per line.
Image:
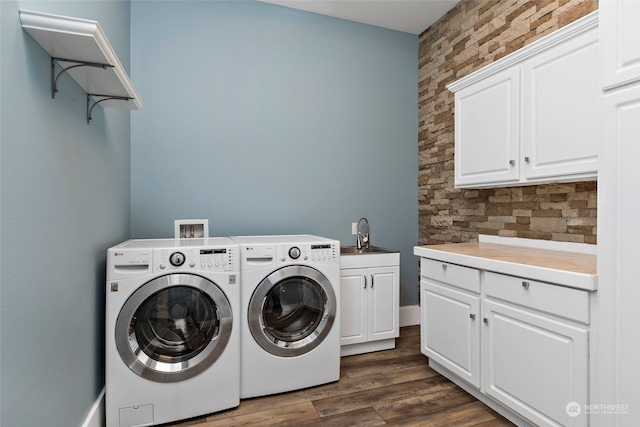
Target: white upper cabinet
620	42
617	372
532	117
562	99
487	141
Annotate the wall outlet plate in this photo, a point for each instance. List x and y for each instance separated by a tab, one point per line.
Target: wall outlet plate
354	228
191	228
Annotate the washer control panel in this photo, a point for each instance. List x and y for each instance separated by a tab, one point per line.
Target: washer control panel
325	253
207	259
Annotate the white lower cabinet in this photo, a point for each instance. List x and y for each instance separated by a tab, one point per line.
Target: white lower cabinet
370	308
460	311
450	317
520	344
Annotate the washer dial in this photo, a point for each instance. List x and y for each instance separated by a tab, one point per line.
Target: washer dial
294	252
177	259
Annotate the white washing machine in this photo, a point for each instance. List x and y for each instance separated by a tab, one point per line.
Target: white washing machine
172	330
290	327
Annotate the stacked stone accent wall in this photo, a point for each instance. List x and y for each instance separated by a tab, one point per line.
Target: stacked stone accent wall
474	34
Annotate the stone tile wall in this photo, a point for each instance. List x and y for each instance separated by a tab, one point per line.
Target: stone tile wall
473	34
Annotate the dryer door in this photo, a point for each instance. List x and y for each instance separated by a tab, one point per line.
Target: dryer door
173	327
292	310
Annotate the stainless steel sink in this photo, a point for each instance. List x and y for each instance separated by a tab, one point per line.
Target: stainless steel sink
353	250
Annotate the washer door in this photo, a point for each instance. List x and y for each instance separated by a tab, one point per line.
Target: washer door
173	327
292	310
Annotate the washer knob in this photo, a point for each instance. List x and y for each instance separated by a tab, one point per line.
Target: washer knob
177	259
294	252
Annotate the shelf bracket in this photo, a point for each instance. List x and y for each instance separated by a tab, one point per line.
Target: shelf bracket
55	77
104	98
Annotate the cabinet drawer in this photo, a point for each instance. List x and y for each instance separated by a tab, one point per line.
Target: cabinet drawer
452	274
553	299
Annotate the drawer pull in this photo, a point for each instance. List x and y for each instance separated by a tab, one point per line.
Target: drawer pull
472	316
444	267
525	285
486	320
365	281
372	281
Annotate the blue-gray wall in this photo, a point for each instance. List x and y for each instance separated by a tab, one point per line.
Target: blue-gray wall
260	118
268	120
65	200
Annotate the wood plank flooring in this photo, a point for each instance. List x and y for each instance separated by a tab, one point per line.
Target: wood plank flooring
387	388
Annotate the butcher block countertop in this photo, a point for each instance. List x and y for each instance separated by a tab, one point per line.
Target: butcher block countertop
572	269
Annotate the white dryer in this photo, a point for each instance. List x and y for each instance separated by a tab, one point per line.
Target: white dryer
290	327
172	330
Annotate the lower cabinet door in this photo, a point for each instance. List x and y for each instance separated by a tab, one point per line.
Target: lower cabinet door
384	304
450	329
353	306
535	365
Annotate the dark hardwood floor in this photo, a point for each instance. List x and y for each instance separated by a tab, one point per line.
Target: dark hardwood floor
392	388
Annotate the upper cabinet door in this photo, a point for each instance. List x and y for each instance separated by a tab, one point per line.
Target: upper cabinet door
487	130
620	33
562	109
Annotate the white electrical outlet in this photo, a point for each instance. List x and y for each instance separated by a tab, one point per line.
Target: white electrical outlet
354	228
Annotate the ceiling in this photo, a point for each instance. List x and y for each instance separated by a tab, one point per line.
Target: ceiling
409	16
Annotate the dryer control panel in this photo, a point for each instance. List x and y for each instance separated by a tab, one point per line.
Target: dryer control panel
204	259
322	253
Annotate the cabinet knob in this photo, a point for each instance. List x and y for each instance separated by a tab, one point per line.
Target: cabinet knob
527	159
512	162
486	320
525	285
472	316
444	267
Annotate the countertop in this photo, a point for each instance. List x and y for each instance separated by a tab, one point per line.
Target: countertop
572	269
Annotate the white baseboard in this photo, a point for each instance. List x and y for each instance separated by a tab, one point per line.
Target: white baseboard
96	416
409	315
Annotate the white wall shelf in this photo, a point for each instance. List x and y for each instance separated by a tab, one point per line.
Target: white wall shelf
80	48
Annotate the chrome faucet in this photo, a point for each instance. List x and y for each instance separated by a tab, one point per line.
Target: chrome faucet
363	239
